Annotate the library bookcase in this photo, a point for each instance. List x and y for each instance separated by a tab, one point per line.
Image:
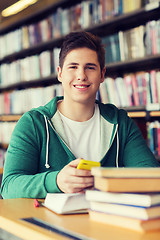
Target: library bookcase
106	26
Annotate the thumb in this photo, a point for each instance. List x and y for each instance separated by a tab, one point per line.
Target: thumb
75	162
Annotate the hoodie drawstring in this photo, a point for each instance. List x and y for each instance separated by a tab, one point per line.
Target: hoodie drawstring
117	150
47	143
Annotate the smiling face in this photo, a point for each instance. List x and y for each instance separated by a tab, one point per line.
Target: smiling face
80	76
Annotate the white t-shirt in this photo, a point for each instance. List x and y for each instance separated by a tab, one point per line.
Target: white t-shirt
84	137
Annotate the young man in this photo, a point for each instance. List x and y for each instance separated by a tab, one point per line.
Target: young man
48	142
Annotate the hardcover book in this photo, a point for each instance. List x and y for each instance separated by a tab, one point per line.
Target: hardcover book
125	222
127	184
110	172
66	203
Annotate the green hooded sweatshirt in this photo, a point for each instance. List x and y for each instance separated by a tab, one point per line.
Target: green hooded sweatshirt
38	149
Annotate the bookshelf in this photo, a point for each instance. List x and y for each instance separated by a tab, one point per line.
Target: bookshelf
112	25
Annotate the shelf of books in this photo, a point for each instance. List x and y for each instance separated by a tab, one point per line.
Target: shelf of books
130	32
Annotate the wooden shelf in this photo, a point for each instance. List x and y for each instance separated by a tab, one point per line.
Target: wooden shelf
134	65
131	113
50	80
138	114
141	112
10	118
155	113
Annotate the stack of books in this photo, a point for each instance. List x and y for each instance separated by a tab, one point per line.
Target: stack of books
126	197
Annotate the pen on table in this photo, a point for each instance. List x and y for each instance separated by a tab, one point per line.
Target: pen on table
36	203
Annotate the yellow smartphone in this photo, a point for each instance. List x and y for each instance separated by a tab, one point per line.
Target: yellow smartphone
87	165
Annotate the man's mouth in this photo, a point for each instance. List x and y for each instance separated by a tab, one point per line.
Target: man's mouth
81	86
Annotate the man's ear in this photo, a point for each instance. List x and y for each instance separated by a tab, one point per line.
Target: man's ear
59	74
103	74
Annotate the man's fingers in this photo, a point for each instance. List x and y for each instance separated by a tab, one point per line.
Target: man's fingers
80	180
75	183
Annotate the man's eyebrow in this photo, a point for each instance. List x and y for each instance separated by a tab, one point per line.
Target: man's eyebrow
72	63
87	64
91	64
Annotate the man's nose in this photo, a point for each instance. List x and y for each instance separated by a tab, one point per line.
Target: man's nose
81	74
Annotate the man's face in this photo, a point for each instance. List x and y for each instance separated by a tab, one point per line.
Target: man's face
80	75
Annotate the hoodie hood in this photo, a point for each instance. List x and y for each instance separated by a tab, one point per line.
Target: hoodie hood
50	108
108	111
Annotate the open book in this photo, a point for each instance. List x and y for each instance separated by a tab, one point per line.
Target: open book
66	203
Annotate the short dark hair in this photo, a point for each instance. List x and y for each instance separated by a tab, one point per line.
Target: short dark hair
79	40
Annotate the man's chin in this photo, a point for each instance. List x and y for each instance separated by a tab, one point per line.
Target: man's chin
83	100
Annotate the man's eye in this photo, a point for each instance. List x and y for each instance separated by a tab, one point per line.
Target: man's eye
91	68
73	67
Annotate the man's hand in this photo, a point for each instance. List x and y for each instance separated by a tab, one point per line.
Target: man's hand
72	180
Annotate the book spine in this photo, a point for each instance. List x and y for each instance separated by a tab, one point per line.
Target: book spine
131	5
2	156
129	89
103	93
153	86
112	48
158	136
153	37
158	35
153	134
158	85
135	88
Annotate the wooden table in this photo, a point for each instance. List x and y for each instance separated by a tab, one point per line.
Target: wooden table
13	210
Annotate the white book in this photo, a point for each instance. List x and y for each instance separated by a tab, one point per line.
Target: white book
66	203
158	84
136	199
137	212
122	92
110	88
56	52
